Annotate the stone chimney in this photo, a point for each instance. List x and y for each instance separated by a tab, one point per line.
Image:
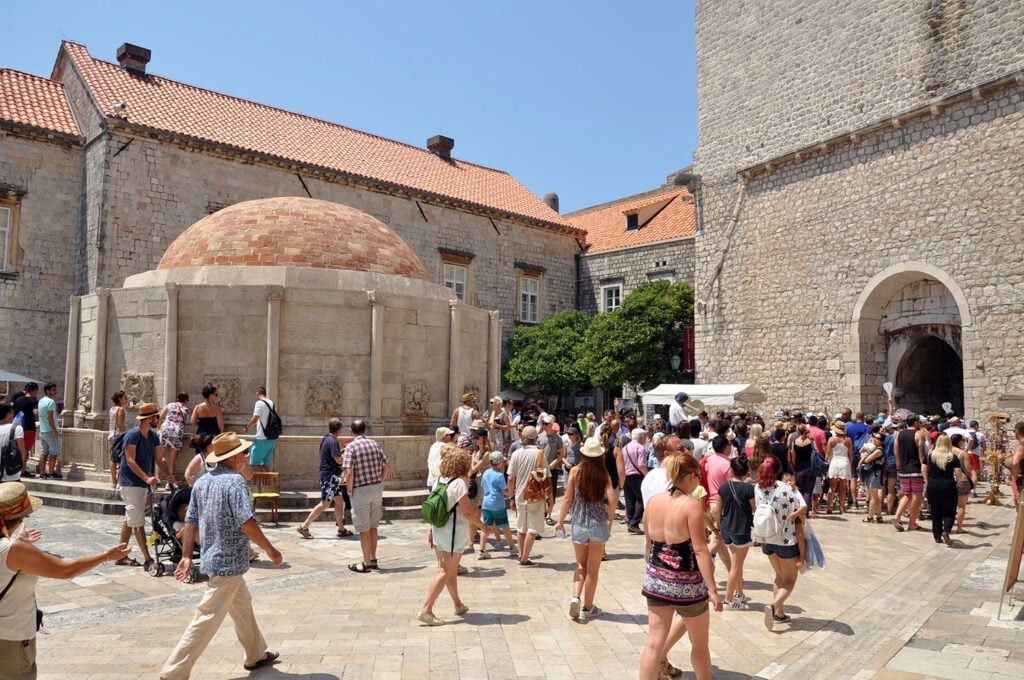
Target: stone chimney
133	58
551	198
441	146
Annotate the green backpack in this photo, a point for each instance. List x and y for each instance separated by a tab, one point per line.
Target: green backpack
435	509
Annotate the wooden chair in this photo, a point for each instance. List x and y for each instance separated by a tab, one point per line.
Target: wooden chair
267	491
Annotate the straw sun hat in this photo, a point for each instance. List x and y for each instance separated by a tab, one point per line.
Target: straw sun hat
15	501
225	445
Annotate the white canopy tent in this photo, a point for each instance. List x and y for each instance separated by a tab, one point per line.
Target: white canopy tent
710	395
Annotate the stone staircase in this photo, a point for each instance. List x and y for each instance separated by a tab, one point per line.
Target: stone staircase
90	491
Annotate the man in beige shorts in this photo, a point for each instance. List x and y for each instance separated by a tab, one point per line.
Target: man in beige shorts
526	462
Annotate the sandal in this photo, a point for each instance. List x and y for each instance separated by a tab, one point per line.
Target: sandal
128	562
868	520
670	670
373	564
429	619
343	532
360	568
268	658
527	563
304	531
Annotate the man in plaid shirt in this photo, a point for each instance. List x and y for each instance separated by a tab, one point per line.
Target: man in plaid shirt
365	469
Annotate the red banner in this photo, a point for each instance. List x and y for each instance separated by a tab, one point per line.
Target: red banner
689	353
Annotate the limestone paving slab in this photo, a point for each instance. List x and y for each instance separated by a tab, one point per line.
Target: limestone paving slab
888	605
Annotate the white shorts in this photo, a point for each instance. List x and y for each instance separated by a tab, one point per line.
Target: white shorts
134	498
530	518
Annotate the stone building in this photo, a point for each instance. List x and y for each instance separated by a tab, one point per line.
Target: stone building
861	217
321	303
104	165
634	239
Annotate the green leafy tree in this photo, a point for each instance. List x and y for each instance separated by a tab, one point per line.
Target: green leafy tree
633	345
547	356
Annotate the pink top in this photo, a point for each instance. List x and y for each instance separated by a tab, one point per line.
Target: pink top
718	473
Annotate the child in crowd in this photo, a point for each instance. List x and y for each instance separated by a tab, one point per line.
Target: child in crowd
495	516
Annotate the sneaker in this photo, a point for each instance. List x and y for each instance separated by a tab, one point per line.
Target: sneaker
737	605
513	554
769	617
946	539
574	609
636	531
743	598
591	613
462	571
483	555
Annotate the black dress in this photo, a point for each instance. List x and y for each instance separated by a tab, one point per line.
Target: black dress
941	493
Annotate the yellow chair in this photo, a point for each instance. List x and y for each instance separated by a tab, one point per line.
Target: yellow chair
267	491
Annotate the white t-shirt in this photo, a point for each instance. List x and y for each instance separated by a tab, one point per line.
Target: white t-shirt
655	482
17	609
456	490
262	413
5	436
676	415
700	447
522	463
433	463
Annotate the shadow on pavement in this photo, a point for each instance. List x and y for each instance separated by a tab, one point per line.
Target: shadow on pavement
274	673
265	564
718	674
812	624
486	619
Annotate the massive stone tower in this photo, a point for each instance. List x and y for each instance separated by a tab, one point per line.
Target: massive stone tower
860	210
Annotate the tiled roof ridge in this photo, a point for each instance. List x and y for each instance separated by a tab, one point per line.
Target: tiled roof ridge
276	108
652	193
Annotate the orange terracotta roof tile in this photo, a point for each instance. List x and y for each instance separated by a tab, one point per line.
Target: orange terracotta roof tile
158	103
37	102
606	224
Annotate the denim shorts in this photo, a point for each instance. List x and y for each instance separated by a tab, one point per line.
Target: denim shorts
783	552
599	533
737	540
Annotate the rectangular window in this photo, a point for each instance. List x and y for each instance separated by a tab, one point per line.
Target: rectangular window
612	297
529	296
455	278
661	276
5	238
632	221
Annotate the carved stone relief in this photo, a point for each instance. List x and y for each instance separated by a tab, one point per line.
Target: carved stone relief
229	391
139	388
415	398
85	393
323	396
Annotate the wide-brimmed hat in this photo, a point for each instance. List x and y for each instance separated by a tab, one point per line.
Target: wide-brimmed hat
954	421
147	411
477	424
225	445
592	448
839	427
15	501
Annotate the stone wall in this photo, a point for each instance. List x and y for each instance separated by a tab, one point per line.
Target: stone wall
34	295
824	241
630	267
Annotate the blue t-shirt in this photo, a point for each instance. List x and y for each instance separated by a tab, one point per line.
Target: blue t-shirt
855	431
493	483
47	405
890	452
145	455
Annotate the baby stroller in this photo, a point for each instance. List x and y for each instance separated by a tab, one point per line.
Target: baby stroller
167	511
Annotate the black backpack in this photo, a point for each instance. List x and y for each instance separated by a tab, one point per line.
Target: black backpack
10	457
274	427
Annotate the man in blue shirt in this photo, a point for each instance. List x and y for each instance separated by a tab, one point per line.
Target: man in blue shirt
136	478
221	509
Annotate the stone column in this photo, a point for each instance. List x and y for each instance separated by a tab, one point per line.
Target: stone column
376	354
274	296
71	360
99	382
454	367
493	354
171	344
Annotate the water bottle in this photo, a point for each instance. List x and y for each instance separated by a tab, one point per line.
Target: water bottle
560	533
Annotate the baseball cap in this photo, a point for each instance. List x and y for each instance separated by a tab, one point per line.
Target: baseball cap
497	457
573	430
548	419
657	416
682	396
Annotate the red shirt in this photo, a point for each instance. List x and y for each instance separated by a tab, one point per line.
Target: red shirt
718	473
818	435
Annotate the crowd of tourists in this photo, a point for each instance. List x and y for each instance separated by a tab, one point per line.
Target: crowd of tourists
702	492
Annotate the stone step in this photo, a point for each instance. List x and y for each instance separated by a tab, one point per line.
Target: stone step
293	506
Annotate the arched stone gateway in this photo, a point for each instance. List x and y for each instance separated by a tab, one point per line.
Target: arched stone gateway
909	326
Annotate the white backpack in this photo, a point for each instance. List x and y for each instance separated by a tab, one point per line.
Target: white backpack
767	527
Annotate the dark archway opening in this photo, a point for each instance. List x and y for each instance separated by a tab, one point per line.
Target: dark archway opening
930	374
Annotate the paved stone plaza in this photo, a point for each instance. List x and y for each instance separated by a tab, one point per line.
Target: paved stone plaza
889	605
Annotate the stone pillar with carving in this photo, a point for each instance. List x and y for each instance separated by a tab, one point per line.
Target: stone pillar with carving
493	353
99	386
454	367
71	360
171	344
274	296
376	353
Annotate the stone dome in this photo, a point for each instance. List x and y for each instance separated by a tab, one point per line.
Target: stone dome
291	231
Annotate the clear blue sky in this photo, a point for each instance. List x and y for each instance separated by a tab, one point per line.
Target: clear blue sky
592	99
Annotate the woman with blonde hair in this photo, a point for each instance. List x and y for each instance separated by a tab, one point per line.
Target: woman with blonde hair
680	577
964	485
943	468
756	432
448	540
